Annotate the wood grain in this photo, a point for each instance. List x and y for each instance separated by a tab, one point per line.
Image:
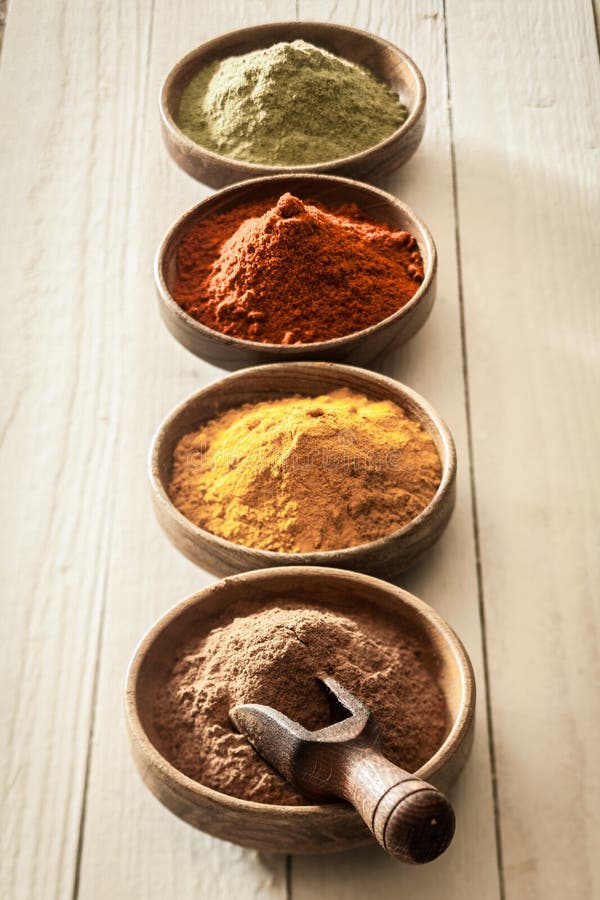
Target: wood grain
320	828
152	854
385	557
86	198
388	63
359	348
432	363
410	819
88	191
527	131
62	362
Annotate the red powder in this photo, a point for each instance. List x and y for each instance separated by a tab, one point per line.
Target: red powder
292	272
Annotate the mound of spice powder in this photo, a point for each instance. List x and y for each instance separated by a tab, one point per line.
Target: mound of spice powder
293	272
303	474
271	652
289	104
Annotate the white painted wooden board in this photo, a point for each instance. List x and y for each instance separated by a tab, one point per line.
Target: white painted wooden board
432	363
66	162
87	193
150	853
526	90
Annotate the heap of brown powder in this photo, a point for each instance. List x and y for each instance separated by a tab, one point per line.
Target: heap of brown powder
272	655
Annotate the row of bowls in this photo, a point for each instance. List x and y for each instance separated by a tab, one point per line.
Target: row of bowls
315	182
387	556
309	369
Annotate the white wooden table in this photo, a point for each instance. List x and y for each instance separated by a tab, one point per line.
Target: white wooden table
507	179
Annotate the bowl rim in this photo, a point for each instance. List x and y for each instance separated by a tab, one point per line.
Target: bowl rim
155	760
321	557
195	149
218	337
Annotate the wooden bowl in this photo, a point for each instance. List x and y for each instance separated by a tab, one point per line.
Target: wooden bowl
384	60
386	557
288	829
358	348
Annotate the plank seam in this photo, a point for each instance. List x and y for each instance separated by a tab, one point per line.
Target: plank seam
88	760
288	877
472	480
149	45
595	17
101	624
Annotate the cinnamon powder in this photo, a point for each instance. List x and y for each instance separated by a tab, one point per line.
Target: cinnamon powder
272	655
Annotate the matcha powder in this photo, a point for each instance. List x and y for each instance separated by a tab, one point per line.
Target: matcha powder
291	104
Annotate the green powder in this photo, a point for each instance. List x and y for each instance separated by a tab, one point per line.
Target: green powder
292	104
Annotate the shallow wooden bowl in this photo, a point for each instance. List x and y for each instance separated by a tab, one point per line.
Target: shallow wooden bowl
384	60
386	557
358	348
288	829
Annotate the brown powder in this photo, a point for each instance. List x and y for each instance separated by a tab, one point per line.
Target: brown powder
273	655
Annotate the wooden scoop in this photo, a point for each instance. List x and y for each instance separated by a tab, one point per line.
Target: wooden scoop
411	819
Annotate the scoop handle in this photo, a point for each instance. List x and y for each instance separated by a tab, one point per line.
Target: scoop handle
410	818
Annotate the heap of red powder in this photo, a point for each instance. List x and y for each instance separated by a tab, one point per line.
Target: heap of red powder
293	272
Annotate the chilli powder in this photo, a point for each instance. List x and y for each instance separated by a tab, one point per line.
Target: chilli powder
288	271
271	651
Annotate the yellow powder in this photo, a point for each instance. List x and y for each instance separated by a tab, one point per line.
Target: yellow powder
306	474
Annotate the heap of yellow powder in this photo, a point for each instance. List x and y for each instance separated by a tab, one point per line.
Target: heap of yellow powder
306	474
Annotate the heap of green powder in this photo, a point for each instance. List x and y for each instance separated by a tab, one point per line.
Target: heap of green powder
291	104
